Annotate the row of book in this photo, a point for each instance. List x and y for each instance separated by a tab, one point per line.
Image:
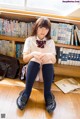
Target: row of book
10	49
65	33
60	32
15	28
68	56
19	50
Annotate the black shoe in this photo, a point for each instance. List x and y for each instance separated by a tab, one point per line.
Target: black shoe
50	103
22	100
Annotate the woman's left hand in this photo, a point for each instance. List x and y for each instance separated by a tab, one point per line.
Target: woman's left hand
45	57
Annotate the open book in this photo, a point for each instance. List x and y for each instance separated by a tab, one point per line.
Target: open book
68	84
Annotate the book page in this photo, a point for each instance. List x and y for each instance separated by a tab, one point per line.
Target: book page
67	84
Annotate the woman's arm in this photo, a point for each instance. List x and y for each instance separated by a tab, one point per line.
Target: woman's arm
53	58
48	57
27	57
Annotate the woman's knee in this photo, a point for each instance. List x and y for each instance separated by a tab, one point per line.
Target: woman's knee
47	62
36	60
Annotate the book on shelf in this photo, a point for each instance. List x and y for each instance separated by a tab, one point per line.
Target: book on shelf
7	47
19	49
15	28
78	34
69	56
54	31
76	37
68	84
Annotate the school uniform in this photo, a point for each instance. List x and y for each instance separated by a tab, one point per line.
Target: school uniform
31	46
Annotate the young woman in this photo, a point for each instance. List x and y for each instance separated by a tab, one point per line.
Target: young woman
39	51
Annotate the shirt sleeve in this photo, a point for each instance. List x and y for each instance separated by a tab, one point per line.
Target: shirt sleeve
52	47
26	48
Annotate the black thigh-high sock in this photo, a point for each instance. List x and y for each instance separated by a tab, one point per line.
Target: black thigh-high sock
32	71
48	77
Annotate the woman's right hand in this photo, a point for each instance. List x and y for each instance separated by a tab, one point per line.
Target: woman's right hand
36	55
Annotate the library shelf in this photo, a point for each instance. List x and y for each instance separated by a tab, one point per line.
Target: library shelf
28	16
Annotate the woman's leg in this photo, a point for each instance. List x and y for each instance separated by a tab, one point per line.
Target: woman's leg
32	70
48	77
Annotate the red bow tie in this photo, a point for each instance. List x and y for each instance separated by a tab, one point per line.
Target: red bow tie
40	43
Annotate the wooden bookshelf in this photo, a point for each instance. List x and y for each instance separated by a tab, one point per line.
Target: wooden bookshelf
11	38
21	60
26	16
67	70
19	39
68	46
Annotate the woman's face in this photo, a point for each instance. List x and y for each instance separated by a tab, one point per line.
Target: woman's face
42	32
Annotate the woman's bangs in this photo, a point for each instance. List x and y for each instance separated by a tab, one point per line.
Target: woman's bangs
44	24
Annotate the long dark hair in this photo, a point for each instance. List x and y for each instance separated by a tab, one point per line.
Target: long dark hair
42	22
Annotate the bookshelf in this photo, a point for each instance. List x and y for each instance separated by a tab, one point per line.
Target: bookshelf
25	16
11	38
18	39
67	70
67	46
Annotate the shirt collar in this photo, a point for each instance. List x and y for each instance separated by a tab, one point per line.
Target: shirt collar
44	39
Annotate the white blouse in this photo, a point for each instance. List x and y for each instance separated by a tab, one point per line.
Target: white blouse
31	46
